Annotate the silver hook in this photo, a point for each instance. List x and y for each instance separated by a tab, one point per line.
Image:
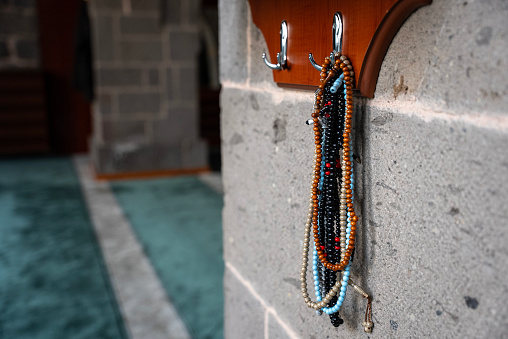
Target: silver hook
313	62
282	55
337	33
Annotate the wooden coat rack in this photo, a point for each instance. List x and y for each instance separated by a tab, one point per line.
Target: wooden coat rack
368	29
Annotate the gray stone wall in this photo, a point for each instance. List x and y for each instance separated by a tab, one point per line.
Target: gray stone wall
432	185
146	112
19	44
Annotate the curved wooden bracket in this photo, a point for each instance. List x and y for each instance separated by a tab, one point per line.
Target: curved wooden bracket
369	28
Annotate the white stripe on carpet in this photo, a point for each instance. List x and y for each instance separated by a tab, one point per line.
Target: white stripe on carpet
146	309
212	180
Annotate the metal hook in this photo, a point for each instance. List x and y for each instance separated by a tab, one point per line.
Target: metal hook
337	33
282	55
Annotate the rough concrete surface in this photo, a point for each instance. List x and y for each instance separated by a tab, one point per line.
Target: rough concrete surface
431	191
232	40
244	315
452	56
275	330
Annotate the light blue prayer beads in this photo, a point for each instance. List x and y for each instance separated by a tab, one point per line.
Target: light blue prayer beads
337	84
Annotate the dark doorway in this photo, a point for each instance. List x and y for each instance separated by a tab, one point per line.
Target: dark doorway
209	87
68	110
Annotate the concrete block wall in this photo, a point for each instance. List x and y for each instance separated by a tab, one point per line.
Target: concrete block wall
146	111
432	185
19	44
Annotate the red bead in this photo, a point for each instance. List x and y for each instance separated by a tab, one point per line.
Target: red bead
337	247
324	254
337	239
327	172
328	164
327	115
329	103
322	248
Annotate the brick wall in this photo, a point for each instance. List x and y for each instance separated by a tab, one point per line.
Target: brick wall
431	189
19	45
145	115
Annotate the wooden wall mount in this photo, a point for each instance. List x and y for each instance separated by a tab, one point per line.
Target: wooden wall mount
369	28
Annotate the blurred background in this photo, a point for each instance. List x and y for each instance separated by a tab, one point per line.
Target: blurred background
126	80
100	90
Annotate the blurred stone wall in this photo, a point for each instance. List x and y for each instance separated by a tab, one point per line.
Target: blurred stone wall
19	44
431	189
146	75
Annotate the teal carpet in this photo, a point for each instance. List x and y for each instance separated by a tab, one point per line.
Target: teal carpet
178	222
53	282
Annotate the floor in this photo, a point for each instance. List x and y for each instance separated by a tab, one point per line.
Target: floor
157	294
